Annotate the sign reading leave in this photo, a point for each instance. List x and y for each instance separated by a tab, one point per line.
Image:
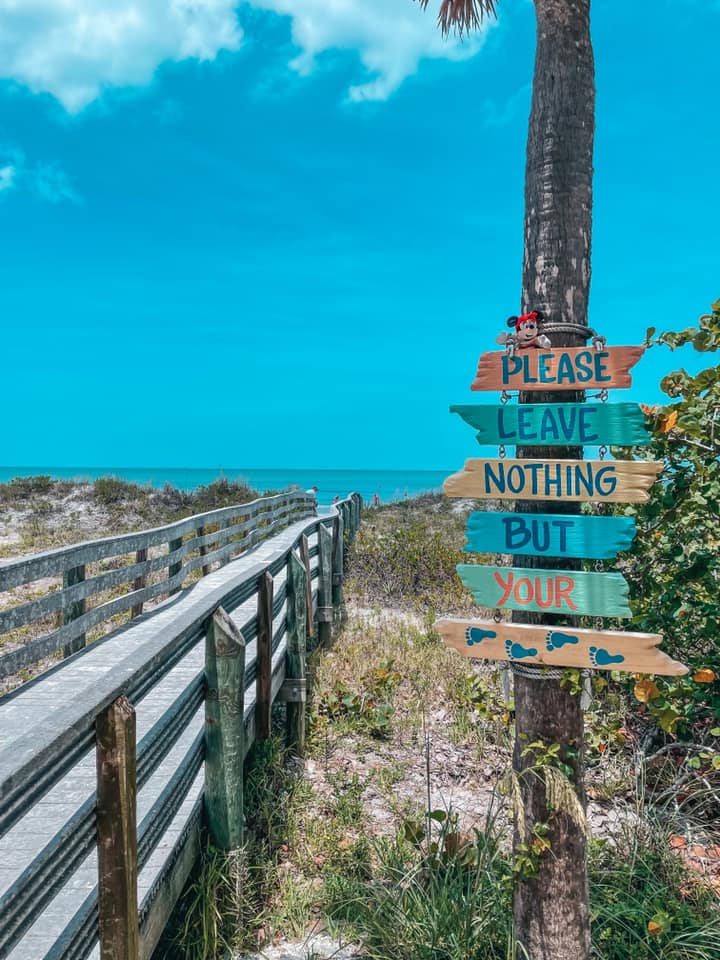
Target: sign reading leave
558	646
566	368
550	424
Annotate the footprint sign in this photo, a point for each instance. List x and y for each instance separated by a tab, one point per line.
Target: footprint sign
558	646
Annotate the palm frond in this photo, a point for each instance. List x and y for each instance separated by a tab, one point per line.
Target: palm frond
462	15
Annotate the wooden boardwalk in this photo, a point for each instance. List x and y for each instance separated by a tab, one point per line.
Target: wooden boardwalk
48	776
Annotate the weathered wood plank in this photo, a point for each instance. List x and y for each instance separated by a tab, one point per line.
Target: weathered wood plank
608	481
296	650
549	591
116	833
338	561
556	424
325	550
549	535
73	610
174	567
139	582
224	731
558	646
305	558
200	534
263	699
564	368
180	862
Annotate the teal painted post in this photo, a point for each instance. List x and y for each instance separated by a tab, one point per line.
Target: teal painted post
224	731
549	535
296	650
72	611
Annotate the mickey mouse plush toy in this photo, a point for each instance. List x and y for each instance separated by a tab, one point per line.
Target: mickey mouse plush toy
526	334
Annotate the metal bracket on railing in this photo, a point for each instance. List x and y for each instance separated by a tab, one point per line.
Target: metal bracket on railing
337	579
324	614
292	691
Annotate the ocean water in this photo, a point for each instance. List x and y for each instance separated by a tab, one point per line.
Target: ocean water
389	485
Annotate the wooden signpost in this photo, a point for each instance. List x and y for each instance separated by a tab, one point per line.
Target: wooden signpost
559	646
548	535
566	368
568	593
619	424
609	481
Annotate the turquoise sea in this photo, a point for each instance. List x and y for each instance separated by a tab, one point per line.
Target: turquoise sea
387	484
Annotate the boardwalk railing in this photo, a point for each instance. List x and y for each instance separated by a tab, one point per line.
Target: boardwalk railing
95	571
108	761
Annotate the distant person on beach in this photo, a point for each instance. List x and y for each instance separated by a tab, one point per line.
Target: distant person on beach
376	500
313	491
336	499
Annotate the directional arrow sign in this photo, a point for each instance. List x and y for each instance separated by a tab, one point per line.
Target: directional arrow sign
558	646
565	368
550	591
549	535
553	424
611	481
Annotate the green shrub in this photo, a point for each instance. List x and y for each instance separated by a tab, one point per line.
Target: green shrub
111	490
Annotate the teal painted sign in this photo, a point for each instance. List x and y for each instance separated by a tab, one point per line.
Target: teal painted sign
620	424
548	591
549	535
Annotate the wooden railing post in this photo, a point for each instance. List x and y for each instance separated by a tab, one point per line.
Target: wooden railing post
141	556
200	532
263	688
324	603
305	558
296	650
224	731
338	560
117	832
175	567
75	609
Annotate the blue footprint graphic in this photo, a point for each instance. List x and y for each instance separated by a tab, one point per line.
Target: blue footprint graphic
475	635
555	640
599	657
516	651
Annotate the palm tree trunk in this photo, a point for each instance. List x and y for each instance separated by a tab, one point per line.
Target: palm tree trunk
551	907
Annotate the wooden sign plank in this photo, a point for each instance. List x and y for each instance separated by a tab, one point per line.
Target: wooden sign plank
552	424
609	481
548	591
564	368
558	646
549	535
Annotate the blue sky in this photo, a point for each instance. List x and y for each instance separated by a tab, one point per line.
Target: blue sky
280	234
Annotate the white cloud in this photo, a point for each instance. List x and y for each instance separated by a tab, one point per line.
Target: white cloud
73	49
45	180
390	36
7	177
